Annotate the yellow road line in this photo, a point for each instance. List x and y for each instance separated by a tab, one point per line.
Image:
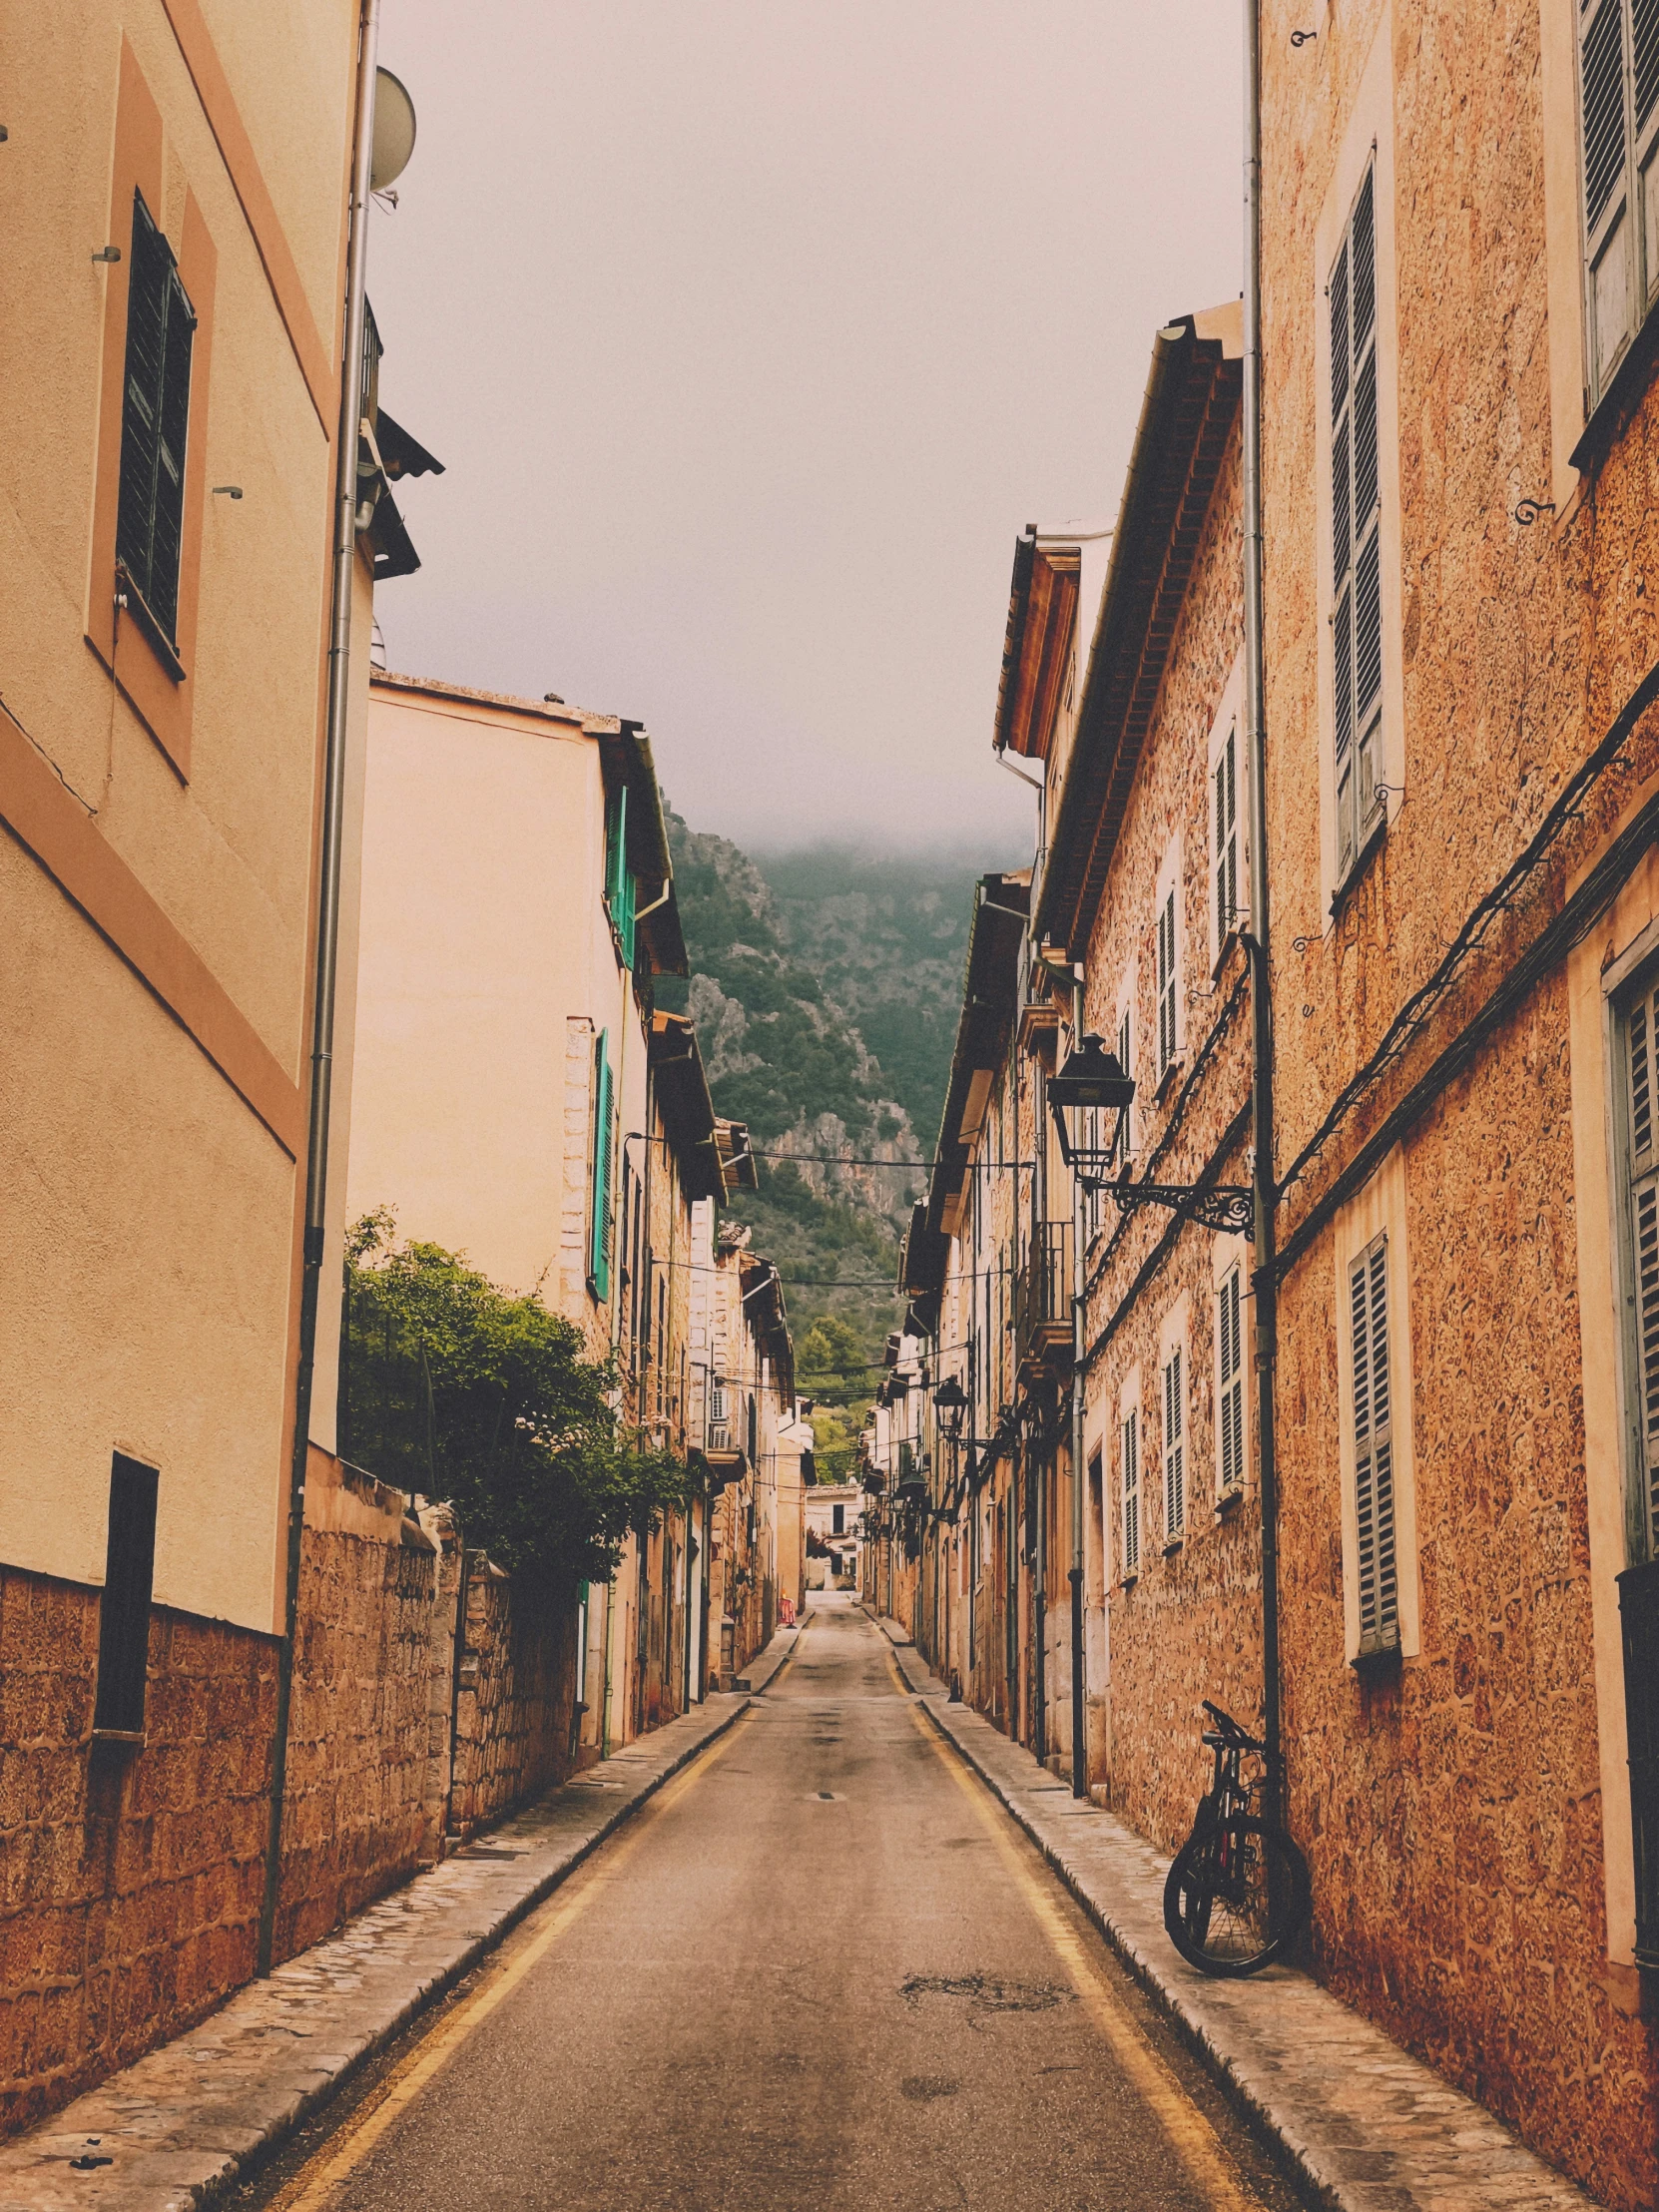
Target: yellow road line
1190	2134
316	2185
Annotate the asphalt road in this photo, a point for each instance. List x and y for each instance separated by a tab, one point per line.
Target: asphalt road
821	1968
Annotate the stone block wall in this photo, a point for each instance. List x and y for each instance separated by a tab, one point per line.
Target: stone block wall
131	1878
1452	1812
356	1817
515	1707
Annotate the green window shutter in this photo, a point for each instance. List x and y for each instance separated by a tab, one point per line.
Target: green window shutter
155	422
601	1226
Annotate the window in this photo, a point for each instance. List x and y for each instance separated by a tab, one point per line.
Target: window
154	418
837	1520
1131	1492
620	887
124	1614
1618	85
1168	982
1356	545
601	1225
1642	1053
1224	839
1374	1452
1230	1407
1175	1443
1123	1137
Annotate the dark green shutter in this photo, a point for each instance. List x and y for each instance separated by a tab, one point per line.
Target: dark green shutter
155	422
601	1227
620	887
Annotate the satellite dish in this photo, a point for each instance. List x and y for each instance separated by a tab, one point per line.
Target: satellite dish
394	130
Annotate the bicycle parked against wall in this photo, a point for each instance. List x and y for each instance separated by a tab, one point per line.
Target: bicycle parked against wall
1238	1891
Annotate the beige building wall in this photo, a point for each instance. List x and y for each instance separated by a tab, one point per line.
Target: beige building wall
156	881
484	943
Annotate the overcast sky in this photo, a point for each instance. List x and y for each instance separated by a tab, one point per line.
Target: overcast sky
752	333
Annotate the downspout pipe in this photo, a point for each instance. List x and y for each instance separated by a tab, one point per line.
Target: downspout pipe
1079	1749
1264	1281
328	934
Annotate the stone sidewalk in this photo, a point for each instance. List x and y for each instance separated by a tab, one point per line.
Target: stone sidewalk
181	2127
1359	2124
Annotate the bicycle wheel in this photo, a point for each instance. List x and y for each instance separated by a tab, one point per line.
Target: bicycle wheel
1236	1897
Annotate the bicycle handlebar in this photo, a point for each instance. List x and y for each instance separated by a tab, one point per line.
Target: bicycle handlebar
1230	1729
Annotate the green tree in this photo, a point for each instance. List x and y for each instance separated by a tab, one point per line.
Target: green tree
470	1394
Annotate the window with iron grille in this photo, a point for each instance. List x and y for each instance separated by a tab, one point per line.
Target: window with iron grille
1132	1491
1175	1443
1168	983
1356	541
1376	1571
154	423
1230	1405
124	1611
1618	103
1641	1039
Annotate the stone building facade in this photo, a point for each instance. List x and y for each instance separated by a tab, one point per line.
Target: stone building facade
1461	991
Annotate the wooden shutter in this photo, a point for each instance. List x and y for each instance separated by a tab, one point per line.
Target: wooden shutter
1356	551
1166	983
124	1610
1642	1038
1618	106
620	890
1175	1443
601	1223
1373	1488
1123	1136
1230	1381
1131	1494
155	422
1224	854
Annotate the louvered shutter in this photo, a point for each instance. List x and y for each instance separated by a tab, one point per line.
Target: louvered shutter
1166	983
619	879
1175	1444
601	1225
1642	1038
1131	1494
1123	1138
1374	1466
1224	858
1355	550
1230	1381
155	422
1618	88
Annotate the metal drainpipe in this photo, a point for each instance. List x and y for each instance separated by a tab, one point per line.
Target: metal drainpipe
327	937
1265	1273
1079	1750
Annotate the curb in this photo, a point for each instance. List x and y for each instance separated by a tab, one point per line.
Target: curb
1422	2143
225	2151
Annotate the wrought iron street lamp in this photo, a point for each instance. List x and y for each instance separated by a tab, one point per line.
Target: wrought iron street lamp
950	1402
1090	1092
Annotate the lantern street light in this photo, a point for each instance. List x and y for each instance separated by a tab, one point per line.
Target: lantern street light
950	1401
1092	1085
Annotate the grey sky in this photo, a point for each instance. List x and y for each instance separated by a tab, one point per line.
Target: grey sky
752	334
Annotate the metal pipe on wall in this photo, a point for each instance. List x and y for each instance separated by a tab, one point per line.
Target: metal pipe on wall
1265	1258
1079	1750
327	934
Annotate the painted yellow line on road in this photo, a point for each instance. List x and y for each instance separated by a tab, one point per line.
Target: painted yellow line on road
1190	2134
317	2183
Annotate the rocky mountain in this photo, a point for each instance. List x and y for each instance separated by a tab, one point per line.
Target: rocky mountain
825	989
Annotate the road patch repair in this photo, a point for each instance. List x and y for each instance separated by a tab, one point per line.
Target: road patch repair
180	2128
1358	2124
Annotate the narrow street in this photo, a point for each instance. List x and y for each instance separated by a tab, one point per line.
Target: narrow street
821	1967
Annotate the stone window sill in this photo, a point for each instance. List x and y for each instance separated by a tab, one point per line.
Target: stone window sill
1611	415
1229	1503
1174	1545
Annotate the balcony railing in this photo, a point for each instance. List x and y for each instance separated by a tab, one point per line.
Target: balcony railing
1042	1298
